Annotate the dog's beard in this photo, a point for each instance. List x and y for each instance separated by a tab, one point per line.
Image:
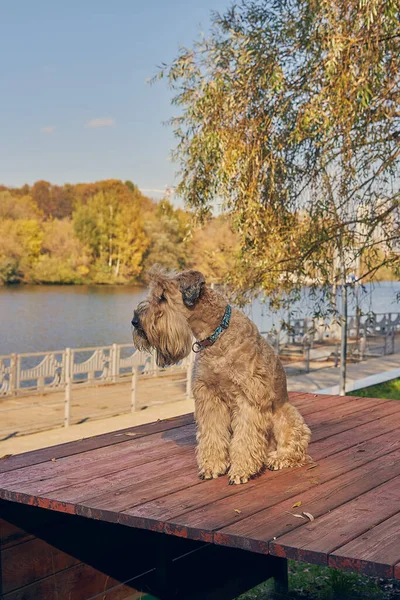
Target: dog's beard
169	336
140	340
164	358
172	338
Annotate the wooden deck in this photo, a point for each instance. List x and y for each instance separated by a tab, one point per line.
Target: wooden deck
144	480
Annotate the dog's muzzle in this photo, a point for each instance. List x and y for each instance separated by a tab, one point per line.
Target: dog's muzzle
137	326
136	321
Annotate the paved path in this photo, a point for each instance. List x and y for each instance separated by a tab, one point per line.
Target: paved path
21	415
52	437
110	400
328	377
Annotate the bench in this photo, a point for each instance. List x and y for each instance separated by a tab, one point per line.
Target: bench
123	515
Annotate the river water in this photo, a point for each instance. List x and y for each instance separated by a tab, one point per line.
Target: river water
38	318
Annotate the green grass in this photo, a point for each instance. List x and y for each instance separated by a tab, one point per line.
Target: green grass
312	582
389	390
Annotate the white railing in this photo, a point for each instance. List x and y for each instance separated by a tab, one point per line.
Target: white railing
367	325
74	368
46	372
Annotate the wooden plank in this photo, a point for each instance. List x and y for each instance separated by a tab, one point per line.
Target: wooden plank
255	533
61	466
33	560
133	495
348	416
68	471
121	553
314	403
272	490
349	407
96	466
11	534
51	469
77	447
313	542
329	408
79	582
110	458
197	511
374	553
145	480
75	473
51	479
396	571
108	505
114	484
130	469
340	422
366	431
108	553
300	399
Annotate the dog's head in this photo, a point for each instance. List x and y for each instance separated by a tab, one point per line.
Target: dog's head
161	321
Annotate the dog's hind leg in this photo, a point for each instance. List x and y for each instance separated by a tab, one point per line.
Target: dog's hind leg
292	436
250	441
291	433
213	432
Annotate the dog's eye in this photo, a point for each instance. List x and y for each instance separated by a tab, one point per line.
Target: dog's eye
162	298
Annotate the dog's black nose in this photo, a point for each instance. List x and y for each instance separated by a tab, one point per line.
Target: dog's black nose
135	321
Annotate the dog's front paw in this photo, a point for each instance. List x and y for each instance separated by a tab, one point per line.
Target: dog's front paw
275	461
213	472
238	476
237	479
241	473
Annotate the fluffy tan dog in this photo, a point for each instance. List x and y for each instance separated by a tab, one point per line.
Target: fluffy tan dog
244	419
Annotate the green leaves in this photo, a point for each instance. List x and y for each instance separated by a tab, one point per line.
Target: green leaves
289	114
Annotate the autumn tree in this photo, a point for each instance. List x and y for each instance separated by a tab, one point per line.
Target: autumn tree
20	237
213	248
166	229
54	201
20	244
63	258
109	224
289	113
18	206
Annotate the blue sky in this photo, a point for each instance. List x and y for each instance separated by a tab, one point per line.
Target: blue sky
74	102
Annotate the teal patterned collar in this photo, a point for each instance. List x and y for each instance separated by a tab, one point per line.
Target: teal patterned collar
198	346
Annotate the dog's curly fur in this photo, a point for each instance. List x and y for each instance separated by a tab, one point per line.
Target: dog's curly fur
245	421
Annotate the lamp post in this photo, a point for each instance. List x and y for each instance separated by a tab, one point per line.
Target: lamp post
343	342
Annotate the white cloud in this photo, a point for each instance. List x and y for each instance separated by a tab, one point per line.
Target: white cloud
152	190
48	129
104	122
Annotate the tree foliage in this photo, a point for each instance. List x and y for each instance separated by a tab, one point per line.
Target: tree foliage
213	249
20	244
289	112
112	234
109	224
167	232
63	258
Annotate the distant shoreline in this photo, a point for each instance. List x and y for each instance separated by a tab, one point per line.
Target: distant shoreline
22	284
138	283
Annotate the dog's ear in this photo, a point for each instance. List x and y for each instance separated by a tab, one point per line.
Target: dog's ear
191	285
